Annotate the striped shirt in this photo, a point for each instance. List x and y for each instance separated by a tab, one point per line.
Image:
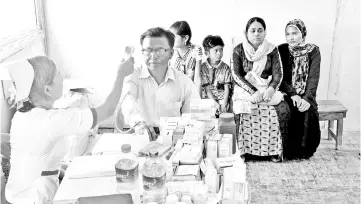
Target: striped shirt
216	78
186	63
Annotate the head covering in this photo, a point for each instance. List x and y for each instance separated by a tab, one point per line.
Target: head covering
22	74
300	25
300	58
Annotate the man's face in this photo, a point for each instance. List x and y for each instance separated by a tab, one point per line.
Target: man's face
156	52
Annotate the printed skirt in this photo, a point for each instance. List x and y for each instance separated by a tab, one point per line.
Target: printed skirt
259	132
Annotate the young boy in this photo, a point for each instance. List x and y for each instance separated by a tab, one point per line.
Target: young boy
216	75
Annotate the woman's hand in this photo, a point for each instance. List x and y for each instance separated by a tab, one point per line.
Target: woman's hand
296	99
223	108
256	97
126	67
268	94
198	53
216	105
304	106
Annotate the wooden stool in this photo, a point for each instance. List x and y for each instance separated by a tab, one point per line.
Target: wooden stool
332	110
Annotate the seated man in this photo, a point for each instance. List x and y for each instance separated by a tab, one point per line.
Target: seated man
155	90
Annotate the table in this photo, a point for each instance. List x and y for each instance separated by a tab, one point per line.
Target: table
331	110
71	189
109	146
104	182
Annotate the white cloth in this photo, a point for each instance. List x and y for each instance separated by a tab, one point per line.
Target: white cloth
22	73
259	59
39	143
241	98
145	100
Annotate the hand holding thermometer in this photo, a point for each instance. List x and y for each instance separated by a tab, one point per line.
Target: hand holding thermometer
128	52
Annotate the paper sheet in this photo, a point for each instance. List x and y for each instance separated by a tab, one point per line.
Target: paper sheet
92	166
111	143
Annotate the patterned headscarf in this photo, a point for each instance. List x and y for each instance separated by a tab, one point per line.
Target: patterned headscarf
300	57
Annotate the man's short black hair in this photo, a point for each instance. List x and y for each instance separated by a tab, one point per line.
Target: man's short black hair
158	32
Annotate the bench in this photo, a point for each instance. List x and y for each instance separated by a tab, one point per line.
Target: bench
331	110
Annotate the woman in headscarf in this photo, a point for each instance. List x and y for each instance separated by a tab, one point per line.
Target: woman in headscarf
301	68
38	133
187	57
261	113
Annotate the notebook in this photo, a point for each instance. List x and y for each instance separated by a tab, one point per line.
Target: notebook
107	199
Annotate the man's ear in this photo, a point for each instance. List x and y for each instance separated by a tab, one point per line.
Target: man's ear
47	90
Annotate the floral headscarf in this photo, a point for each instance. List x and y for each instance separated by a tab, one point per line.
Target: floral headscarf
300	57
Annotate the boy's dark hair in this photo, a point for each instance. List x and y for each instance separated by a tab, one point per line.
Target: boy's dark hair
182	28
158	32
212	41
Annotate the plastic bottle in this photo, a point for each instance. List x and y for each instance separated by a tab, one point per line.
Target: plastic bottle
127	173
154	179
227	125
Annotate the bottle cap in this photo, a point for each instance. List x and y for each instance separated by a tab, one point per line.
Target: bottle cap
227	117
153	153
126	148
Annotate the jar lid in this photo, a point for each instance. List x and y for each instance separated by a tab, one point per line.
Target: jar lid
126	148
228	117
153	153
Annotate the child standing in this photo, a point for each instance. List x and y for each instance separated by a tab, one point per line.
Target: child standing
215	74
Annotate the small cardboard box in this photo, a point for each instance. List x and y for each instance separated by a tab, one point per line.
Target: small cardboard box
191	172
195	126
190	154
212	146
225	146
235	185
223	162
202	109
194	131
178	134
